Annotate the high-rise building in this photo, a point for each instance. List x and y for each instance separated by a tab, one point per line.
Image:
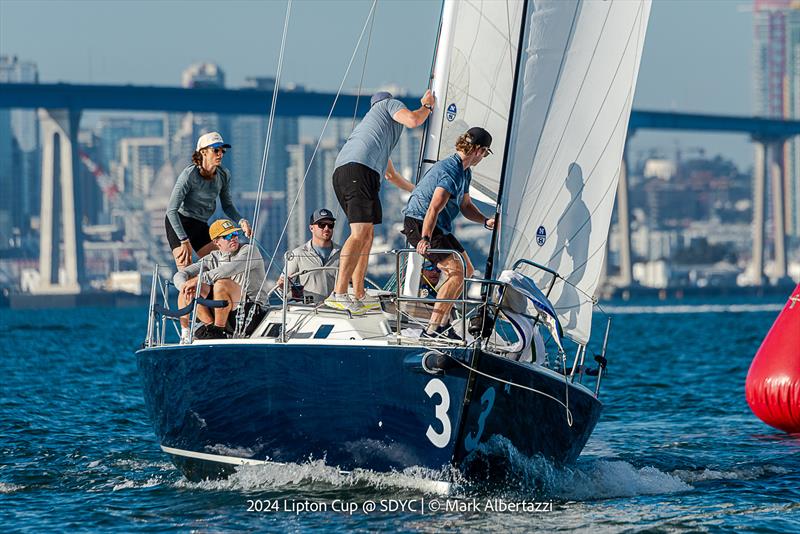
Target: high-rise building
271	220
140	160
777	85
297	193
8	191
183	129
203	75
19	153
94	203
310	185
405	158
112	130
248	134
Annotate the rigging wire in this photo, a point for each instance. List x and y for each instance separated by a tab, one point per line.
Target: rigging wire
319	141
338	210
240	324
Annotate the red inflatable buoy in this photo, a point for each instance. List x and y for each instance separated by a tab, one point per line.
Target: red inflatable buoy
773	382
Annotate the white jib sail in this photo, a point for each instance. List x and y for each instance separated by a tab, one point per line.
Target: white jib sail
574	92
482	60
473	80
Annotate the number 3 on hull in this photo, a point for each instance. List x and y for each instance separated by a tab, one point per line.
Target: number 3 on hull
439	439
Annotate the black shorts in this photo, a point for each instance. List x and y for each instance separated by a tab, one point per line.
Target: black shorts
357	188
196	229
412	228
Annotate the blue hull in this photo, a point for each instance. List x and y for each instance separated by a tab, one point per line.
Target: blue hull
370	407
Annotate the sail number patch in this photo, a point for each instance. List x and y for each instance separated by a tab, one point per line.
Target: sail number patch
541	236
451	113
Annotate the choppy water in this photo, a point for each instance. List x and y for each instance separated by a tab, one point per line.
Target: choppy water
677	448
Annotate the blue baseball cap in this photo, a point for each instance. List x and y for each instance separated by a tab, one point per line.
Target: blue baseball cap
321	215
380	95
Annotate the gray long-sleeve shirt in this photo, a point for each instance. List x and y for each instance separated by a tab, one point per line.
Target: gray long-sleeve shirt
220	265
318	283
196	197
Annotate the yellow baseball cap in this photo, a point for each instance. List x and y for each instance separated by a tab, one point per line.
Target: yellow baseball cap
222	227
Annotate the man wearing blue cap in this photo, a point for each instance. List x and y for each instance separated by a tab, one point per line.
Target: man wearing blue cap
312	266
359	167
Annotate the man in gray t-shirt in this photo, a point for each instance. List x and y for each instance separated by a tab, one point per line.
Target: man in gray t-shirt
359	167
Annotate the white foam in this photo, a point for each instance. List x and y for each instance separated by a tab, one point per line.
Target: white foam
140	465
604	479
745	473
586	480
10	488
317	473
691	308
128	484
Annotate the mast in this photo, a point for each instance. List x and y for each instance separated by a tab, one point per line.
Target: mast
495	232
441	70
429	150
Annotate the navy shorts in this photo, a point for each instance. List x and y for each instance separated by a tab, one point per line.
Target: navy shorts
358	188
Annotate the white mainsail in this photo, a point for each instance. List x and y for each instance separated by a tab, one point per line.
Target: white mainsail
574	92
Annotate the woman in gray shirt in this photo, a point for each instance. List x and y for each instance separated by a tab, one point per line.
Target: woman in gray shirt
194	199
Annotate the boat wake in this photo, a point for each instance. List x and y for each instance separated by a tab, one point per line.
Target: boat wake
10	488
495	469
743	473
317	476
587	479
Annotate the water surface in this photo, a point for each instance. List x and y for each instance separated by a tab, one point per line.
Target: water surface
677	448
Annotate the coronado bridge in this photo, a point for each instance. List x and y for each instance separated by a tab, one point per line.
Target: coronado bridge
60	107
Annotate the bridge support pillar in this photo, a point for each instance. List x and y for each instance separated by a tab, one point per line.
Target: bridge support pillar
624	224
60	209
778	219
759	182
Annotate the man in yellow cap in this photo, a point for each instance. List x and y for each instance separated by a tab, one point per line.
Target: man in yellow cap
225	273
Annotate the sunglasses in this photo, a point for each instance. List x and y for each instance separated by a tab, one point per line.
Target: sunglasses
219	151
487	151
325	225
231	236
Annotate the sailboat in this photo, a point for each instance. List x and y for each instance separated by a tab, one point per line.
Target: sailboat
553	81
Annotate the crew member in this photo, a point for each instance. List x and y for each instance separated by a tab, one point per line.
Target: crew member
194	199
437	200
225	273
317	259
359	167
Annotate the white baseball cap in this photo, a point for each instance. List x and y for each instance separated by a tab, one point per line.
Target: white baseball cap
211	139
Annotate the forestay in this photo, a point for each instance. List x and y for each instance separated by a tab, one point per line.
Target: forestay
574	92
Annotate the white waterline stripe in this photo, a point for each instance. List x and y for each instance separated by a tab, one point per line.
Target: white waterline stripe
233	460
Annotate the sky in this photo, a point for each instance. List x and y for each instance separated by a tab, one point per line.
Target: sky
697	55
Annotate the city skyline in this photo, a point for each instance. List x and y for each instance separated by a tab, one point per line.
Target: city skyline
711	39
140	153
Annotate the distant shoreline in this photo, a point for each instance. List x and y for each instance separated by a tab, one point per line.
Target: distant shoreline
609	296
